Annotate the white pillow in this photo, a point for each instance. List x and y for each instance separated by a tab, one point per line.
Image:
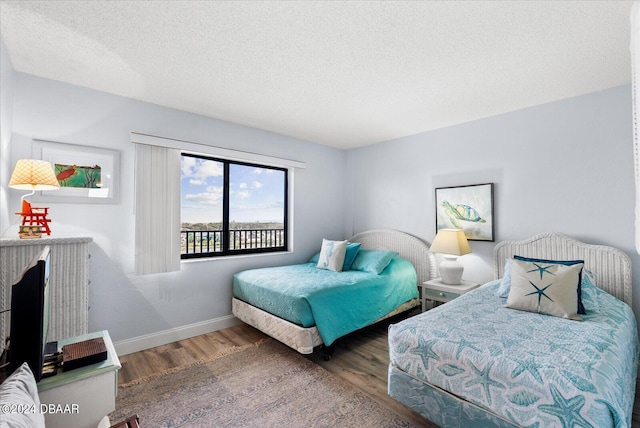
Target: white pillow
332	255
20	390
545	288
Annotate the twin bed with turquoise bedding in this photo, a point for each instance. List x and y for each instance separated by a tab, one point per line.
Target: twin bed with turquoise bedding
306	307
476	362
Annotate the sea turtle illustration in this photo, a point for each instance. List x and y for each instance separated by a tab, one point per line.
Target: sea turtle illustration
461	212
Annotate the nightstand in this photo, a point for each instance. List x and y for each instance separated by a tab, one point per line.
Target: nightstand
439	292
82	397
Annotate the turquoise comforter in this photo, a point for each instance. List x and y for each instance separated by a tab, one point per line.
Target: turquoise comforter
337	303
533	370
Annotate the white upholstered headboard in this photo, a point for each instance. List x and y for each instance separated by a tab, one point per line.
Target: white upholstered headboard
409	247
611	266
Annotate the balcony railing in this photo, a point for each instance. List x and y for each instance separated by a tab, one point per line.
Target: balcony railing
211	241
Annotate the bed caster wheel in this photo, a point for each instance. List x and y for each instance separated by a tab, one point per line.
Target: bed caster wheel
327	352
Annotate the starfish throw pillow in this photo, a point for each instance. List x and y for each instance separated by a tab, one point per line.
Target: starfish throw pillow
545	288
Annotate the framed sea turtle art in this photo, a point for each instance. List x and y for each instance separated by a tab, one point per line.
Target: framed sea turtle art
469	208
85	174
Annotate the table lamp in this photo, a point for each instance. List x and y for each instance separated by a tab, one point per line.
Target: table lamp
452	243
33	174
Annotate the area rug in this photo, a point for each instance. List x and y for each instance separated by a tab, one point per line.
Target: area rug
261	385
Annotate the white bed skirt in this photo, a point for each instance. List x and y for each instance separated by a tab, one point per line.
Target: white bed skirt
302	339
299	338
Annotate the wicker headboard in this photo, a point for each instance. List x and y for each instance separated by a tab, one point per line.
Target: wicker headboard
409	247
611	266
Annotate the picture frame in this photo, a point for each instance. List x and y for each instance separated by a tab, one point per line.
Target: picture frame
86	174
469	208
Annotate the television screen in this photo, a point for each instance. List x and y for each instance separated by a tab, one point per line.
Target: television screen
30	314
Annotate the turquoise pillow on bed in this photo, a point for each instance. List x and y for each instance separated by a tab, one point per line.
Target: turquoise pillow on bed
353	248
373	261
352	251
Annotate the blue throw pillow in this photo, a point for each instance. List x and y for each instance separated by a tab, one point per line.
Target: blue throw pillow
352	251
374	261
505	282
590	292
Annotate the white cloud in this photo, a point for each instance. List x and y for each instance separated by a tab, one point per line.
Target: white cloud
212	196
199	170
210	168
188	164
256	185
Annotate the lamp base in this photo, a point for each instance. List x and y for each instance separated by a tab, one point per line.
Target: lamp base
451	270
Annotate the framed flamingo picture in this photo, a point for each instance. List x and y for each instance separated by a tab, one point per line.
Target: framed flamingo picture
86	174
469	208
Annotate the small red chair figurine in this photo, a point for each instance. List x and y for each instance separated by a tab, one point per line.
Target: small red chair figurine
33	216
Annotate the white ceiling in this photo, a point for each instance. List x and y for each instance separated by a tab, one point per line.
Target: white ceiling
339	73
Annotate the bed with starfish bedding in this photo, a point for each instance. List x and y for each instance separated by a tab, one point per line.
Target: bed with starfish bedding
305	307
505	355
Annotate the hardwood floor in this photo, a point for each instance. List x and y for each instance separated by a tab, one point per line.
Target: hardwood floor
361	359
184	352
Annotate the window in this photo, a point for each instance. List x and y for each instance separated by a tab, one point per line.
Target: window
230	207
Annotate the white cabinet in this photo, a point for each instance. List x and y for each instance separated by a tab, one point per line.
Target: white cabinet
82	397
438	292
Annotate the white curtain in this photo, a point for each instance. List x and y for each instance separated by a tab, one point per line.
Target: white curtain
635	82
157	209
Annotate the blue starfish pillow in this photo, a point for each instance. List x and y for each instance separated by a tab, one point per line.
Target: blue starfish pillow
545	288
505	283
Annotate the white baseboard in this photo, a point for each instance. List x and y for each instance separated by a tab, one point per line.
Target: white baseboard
140	343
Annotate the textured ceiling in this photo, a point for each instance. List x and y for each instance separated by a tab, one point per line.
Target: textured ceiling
340	73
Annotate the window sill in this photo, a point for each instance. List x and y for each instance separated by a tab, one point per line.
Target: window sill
236	256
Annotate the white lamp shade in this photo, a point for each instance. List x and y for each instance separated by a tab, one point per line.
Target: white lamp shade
453	243
33	174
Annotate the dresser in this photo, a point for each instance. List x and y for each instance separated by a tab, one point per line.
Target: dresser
69	280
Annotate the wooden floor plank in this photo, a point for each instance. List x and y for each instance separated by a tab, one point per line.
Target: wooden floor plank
180	357
134	366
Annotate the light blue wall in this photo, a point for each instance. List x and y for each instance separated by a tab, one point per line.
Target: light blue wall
130	306
565	167
6	121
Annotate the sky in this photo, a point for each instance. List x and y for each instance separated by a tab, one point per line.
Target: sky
256	194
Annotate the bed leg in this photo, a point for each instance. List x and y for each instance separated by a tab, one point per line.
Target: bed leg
327	352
